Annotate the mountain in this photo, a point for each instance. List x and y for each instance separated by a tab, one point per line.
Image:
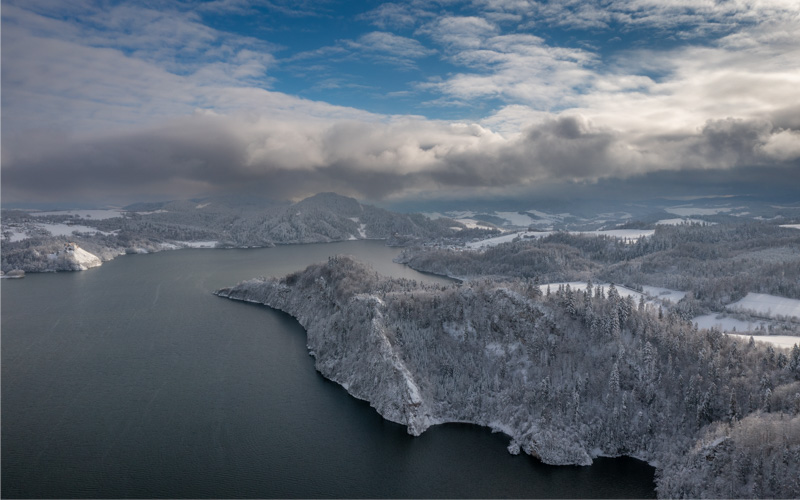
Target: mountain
229	222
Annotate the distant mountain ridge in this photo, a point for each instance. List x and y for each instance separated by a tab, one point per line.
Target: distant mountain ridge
227	222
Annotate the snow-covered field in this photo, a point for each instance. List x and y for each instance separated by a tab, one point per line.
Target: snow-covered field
726	324
55	229
83	214
627	234
767	305
777	340
732	325
663	293
67	230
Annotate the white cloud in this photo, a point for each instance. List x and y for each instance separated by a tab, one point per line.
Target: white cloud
459	32
785	145
390	48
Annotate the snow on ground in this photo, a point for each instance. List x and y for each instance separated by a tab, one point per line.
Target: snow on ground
628	234
490	242
85	259
793	226
726	324
677	222
786	341
60	229
766	305
685	211
83	214
202	205
159	211
15	233
67	230
663	293
198	244
472	223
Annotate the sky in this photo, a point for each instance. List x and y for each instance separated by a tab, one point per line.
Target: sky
122	101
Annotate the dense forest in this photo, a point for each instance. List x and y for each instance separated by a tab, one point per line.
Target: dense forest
568	376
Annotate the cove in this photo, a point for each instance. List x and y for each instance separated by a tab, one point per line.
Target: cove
133	380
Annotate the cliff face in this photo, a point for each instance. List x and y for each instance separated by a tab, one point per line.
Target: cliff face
348	337
568	376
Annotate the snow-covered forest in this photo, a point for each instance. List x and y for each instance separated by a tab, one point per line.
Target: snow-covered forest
568	376
717	264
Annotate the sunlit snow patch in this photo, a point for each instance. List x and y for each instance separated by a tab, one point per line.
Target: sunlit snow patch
779	340
770	306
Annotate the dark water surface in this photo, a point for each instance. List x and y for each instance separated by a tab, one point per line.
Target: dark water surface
132	380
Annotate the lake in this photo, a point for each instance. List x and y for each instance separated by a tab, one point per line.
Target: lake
133	380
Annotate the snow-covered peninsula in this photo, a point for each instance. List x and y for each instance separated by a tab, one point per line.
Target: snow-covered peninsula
568	377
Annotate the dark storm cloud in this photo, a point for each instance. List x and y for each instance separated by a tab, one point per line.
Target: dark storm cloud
373	161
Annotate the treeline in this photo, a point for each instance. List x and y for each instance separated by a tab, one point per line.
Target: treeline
566	375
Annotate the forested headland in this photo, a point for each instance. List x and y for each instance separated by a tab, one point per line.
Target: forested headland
568	376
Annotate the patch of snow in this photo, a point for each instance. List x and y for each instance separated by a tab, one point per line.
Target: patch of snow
630	235
495	349
83	214
15	234
664	293
472	223
793	226
197	244
159	211
766	305
461	215
786	341
726	324
490	242
85	259
362	228
203	205
67	230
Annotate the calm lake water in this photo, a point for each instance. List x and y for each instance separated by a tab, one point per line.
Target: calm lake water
132	380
